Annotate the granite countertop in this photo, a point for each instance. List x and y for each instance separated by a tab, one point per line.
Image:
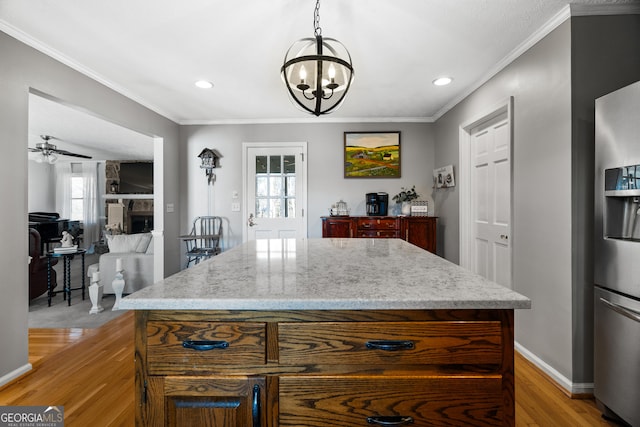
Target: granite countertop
325	274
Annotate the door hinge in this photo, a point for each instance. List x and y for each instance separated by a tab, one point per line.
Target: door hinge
302	156
303	213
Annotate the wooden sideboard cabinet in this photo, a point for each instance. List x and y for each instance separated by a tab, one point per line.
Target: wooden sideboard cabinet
418	230
335	226
343	368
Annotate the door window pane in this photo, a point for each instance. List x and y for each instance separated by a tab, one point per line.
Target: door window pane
275	186
290	186
261	164
291	208
262	206
262	188
276	208
289	164
276	164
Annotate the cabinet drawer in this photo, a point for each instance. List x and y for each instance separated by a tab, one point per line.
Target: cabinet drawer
389	343
377	224
389	234
421	401
199	346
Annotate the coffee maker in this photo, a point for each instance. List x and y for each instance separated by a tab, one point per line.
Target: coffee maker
377	204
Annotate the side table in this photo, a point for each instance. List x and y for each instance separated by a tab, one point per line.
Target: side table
66	262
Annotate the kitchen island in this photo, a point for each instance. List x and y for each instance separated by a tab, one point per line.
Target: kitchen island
316	332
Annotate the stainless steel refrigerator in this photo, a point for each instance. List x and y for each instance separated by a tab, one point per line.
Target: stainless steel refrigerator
617	255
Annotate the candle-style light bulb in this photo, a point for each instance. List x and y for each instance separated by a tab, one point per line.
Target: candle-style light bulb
303	74
331	84
332	72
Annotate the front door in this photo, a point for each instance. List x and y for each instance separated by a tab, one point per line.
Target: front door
275	190
491	199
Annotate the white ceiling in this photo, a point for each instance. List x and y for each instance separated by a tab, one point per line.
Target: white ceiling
154	50
82	133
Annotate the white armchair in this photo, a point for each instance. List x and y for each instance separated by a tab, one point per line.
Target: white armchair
136	253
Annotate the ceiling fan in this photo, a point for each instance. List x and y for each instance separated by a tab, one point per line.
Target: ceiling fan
50	152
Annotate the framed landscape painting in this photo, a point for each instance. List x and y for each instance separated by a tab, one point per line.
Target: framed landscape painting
372	154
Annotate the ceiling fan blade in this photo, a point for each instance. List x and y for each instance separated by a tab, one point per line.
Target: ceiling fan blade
68	153
35	150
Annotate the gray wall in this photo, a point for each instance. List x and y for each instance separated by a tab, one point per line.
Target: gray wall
605	56
539	81
554	85
326	182
41	192
22	68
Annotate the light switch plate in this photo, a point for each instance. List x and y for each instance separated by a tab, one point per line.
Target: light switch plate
235	207
170	207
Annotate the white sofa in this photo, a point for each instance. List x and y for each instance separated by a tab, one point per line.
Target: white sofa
136	253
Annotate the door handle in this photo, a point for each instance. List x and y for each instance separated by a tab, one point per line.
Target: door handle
625	311
504	237
251	221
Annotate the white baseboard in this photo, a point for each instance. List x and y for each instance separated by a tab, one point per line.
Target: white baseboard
562	381
5	379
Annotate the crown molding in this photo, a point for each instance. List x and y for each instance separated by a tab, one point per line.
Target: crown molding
567	12
605	9
534	38
53	53
309	120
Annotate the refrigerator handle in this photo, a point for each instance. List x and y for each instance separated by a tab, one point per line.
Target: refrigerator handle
627	312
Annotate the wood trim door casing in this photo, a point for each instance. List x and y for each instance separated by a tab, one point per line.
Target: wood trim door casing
464	179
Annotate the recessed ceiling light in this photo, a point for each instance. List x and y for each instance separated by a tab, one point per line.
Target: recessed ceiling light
442	81
204	84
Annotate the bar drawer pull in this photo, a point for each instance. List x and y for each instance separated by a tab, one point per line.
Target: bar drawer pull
204	345
255	406
390	345
390	421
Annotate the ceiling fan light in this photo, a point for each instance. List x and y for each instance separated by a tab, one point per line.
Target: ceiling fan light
52	158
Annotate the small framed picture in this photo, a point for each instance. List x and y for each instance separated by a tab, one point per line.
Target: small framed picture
443	177
372	154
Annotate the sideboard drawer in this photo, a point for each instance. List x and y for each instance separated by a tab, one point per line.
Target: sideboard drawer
389	234
349	401
377	224
199	346
390	343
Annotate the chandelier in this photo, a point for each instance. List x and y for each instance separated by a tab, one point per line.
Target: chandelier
317	71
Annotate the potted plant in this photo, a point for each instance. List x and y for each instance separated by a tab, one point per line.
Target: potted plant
405	196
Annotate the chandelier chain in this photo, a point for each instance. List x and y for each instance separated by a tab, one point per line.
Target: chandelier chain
316	20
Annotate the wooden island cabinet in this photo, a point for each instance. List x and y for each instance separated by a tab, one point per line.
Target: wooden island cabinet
316	368
311	332
418	230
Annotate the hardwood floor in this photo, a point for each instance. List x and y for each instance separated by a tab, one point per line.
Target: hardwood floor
90	372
